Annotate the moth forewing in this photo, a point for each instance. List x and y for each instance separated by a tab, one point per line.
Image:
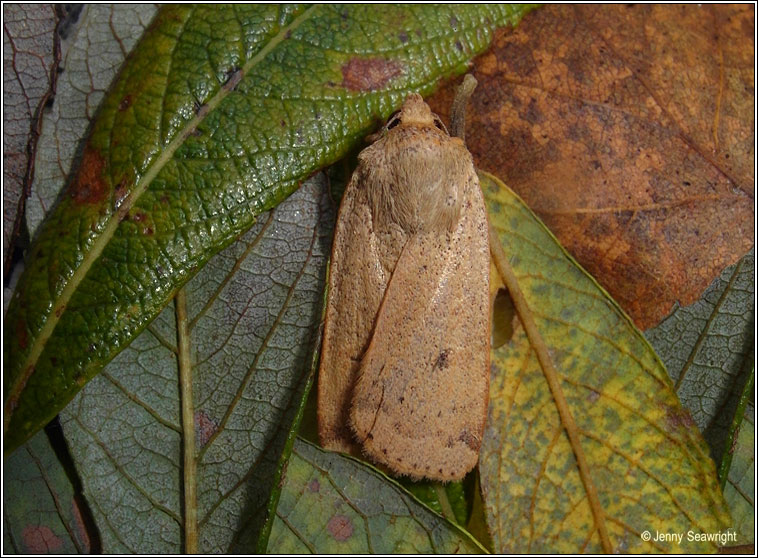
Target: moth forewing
356	287
404	370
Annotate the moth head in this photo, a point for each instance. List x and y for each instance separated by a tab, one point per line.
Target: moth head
414	113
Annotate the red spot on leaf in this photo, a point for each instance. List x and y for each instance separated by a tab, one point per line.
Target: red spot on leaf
40	539
89	186
314	485
340	527
125	103
205	427
369	74
12	402
678	418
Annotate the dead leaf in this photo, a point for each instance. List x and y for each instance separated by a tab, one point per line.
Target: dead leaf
629	130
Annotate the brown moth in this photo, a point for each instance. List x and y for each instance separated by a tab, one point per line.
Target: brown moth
404	371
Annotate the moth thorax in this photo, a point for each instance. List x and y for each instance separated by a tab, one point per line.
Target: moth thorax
419	190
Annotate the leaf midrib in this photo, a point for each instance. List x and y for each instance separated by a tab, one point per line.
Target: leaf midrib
706	331
540	349
109	230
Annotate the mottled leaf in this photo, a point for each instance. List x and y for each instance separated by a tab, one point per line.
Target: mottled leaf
29	60
40	512
738	468
252	314
630	130
707	348
94	43
217	115
587	447
332	504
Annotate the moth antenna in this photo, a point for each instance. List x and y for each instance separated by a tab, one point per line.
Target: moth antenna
458	116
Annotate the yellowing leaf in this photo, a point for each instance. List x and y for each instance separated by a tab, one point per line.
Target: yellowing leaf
587	448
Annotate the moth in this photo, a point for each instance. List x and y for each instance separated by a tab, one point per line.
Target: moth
404	371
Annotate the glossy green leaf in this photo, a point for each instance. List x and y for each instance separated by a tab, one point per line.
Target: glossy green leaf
41	514
332	504
707	348
738	468
646	462
217	115
252	316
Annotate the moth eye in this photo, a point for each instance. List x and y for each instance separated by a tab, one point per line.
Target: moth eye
393	121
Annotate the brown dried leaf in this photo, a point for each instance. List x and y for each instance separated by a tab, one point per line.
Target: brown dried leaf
629	130
28	57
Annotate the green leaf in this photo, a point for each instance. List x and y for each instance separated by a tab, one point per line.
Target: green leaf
94	42
737	469
332	504
252	317
218	114
448	499
41	513
708	350
586	446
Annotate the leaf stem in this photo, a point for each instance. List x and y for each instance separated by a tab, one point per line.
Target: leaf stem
188	424
447	509
551	375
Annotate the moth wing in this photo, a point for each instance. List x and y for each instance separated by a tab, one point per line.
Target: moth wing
357	283
420	401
